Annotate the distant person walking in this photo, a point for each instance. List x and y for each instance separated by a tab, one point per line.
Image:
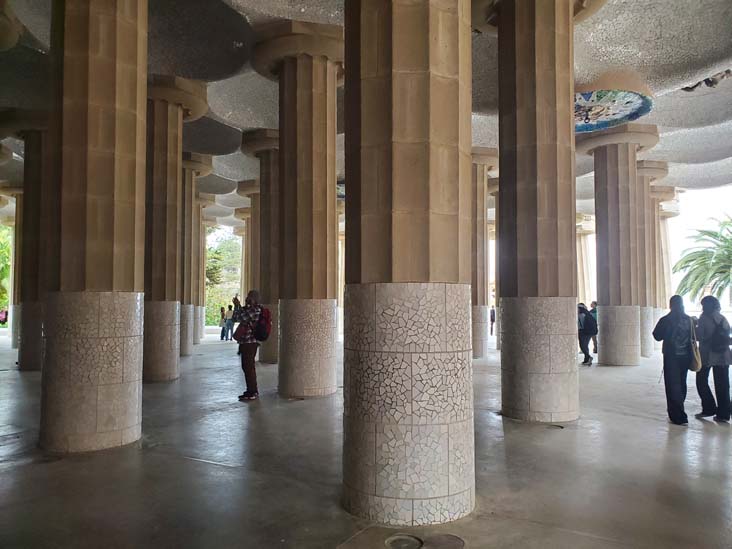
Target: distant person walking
713	333
586	328
248	344
222	323
230	323
675	330
493	317
593	312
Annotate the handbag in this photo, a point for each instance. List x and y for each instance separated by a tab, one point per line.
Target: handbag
696	361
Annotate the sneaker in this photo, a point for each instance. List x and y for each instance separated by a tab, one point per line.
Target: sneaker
721	419
589	362
243	395
251	396
701	415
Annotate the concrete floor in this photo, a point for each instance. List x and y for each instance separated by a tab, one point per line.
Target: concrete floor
213	472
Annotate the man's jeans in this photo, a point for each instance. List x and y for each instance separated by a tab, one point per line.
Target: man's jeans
229	329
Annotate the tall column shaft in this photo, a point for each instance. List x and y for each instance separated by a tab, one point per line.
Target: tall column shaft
189	252
583	269
196	270
15	297
30	354
95	227
308	72
658	304
161	352
479	257
408	454
254	243
617	254
497	266
536	229
665	261
645	289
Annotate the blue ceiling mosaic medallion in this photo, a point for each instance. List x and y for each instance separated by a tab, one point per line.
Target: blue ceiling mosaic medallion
602	109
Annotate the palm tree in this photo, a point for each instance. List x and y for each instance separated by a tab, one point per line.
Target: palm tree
707	267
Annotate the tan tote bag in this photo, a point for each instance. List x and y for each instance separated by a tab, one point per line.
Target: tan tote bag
696	361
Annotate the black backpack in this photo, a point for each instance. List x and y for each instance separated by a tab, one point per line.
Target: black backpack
719	342
590	325
681	337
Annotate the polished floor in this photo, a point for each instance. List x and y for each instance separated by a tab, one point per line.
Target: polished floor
212	472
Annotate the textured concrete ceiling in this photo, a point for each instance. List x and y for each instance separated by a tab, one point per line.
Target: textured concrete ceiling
667	43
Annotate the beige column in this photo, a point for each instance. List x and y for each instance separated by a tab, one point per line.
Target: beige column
264	144
661	194
245	215
492	186
484	160
616	215
171	100
583	267
647	172
31	344
408	454
94	227
536	228
251	189
201	279
306	59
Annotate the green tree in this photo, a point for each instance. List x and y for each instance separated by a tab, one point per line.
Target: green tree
707	267
223	274
214	268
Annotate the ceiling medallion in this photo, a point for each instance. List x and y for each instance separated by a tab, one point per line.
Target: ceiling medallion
602	109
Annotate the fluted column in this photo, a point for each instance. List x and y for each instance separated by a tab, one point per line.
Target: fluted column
94	226
250	189
616	220
306	59
583	268
264	144
536	229
492	187
408	453
170	101
484	160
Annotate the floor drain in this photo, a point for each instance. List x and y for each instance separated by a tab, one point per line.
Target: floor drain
403	541
443	541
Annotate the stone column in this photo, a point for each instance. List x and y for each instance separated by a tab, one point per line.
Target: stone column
202	254
647	171
408	454
484	160
536	229
583	267
15	292
245	215
251	189
30	353
171	100
492	187
616	214
94	227
306	59
264	144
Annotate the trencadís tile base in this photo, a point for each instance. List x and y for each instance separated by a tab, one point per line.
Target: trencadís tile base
92	378
161	350
646	331
539	379
186	330
197	331
408	452
618	339
307	365
481	330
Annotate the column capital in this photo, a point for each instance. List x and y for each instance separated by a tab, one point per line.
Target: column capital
9	190
653	169
485	13
486	156
205	199
189	94
6	155
293	38
645	136
662	193
585	224
200	164
492	186
13	122
243	213
240	231
257	141
248	187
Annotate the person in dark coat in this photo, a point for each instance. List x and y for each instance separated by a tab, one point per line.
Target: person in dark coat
713	334
493	317
675	331
586	328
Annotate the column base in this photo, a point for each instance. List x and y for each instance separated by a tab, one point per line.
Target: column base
618	340
91	389
197	333
539	378
481	330
646	331
408	448
161	351
15	322
307	366
202	326
30	353
269	350
186	330
657	314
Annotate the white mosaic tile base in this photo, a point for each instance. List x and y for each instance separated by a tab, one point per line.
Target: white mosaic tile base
186	330
307	366
539	378
481	330
92	378
618	339
161	347
646	331
408	454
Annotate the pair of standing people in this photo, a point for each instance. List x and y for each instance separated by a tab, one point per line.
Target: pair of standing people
677	330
